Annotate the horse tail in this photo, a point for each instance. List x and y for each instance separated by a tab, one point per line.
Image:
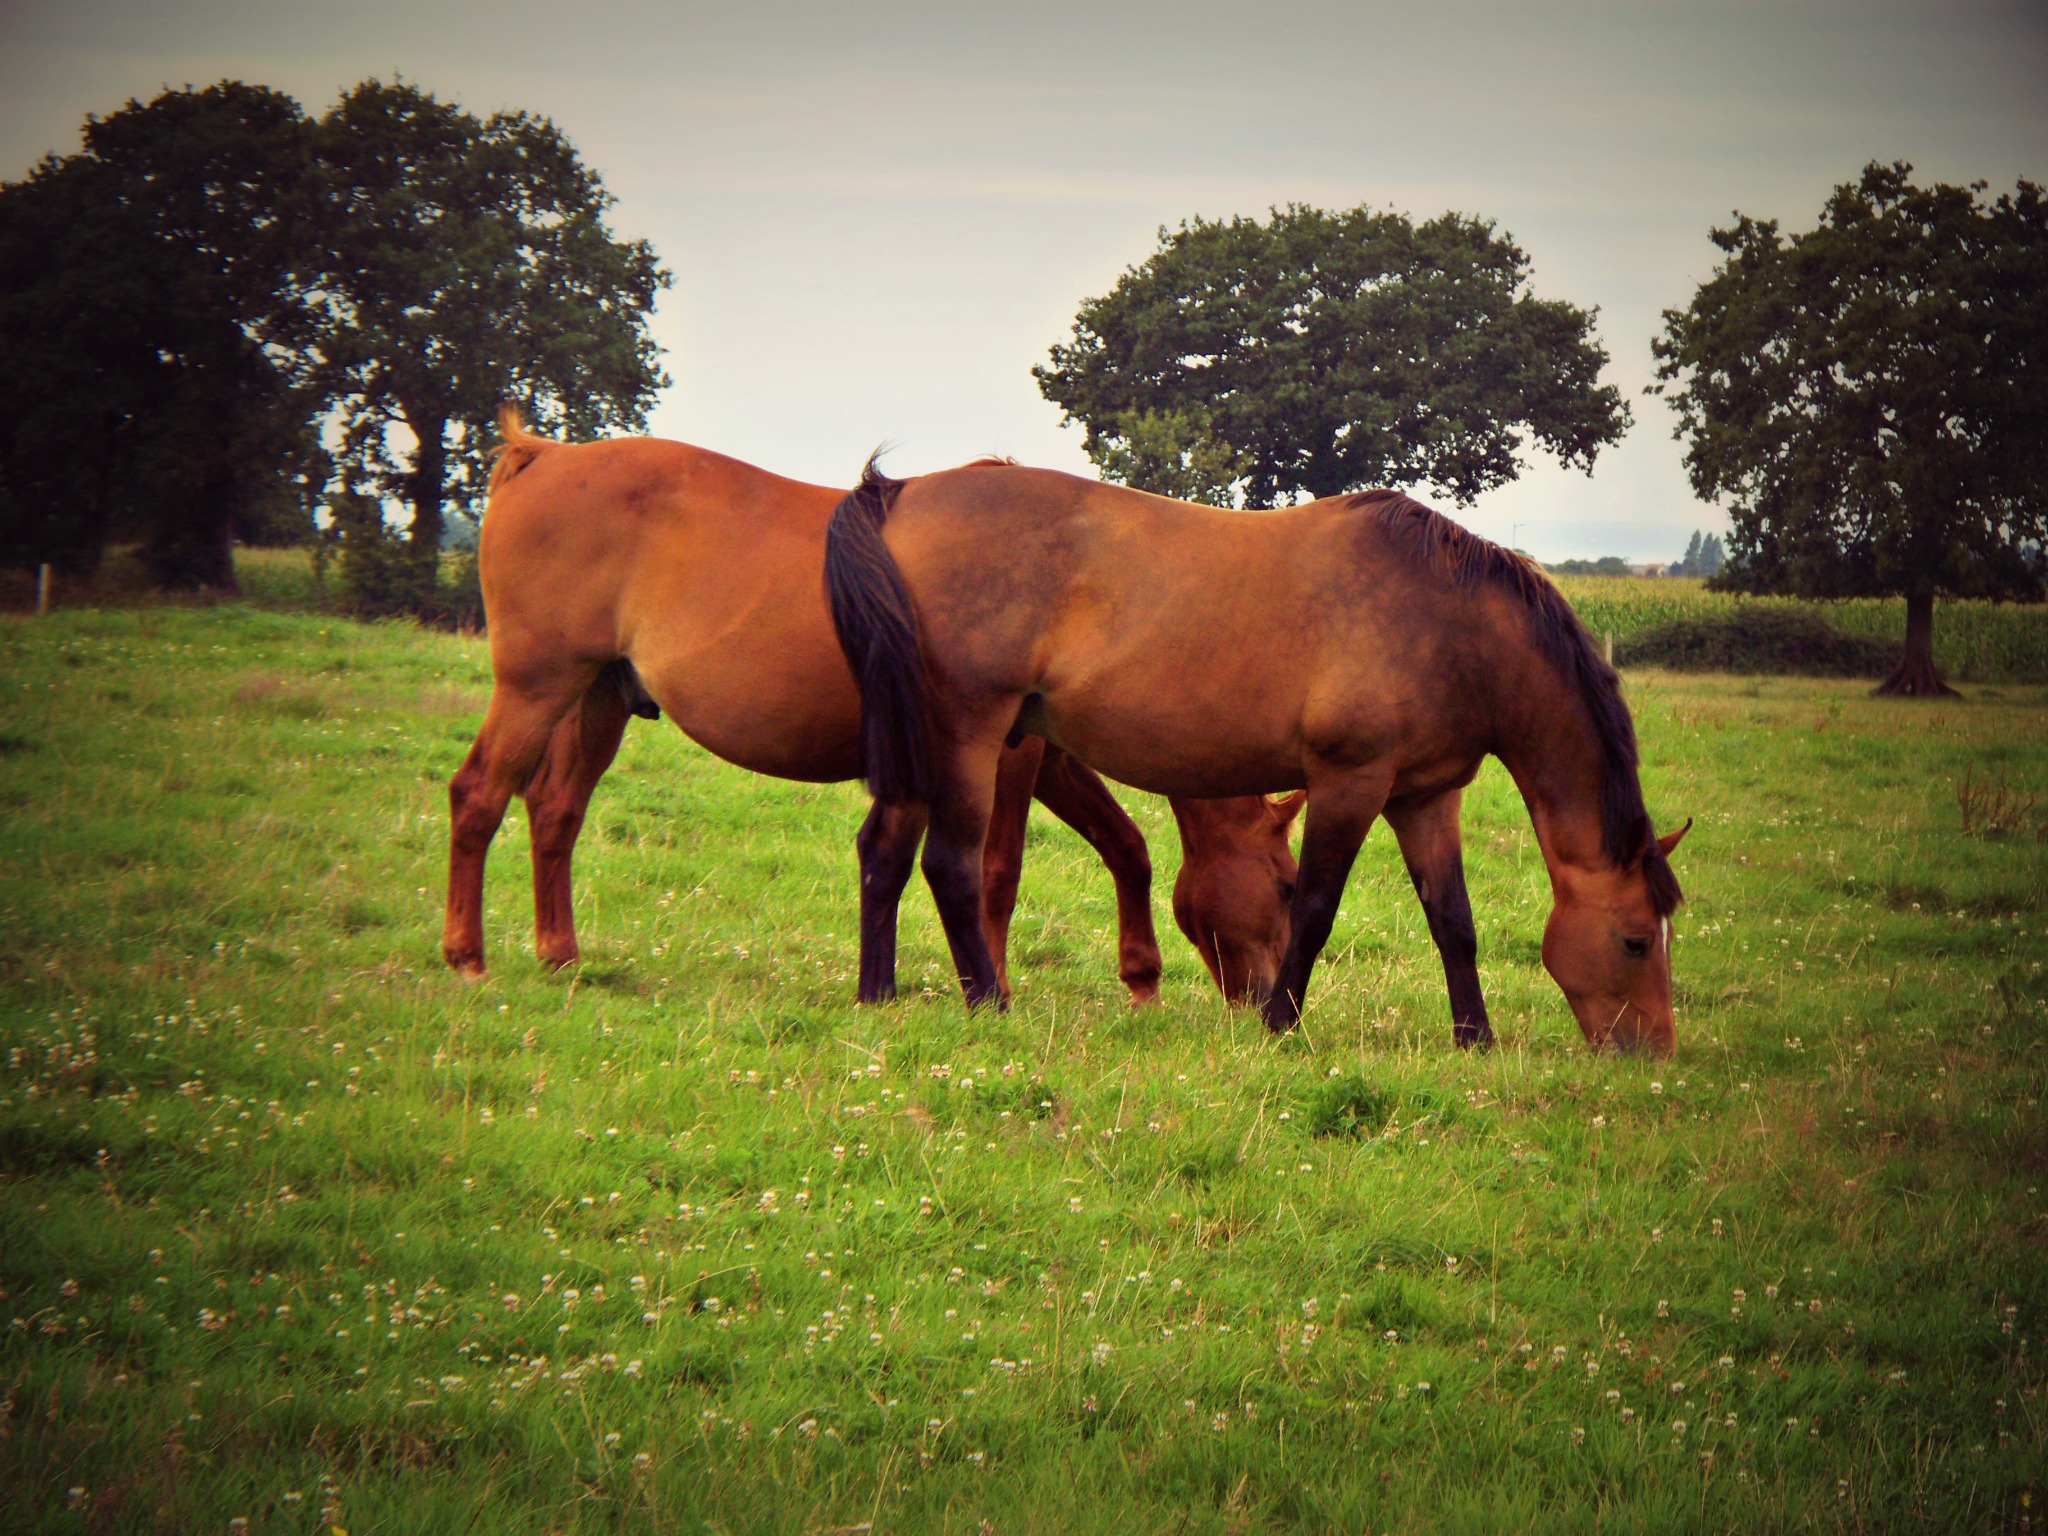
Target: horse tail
517	446
877	625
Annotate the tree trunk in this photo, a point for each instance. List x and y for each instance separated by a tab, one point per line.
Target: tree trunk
1915	676
426	486
191	548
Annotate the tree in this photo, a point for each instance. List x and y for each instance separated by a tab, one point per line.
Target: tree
1703	556
156	385
1869	398
1317	353
469	264
1171	453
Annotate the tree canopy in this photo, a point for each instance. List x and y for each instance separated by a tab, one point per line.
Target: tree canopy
157	385
1704	556
1316	353
1868	399
468	263
214	279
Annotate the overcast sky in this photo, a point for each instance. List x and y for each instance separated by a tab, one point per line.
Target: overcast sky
879	216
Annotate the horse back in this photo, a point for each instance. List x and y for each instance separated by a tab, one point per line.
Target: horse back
587	542
1200	650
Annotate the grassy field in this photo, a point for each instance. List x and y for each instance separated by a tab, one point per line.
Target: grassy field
298	1232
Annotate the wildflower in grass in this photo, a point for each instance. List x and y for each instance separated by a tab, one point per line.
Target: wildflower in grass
1663	1309
1598	1121
1678	1426
1578	1435
1102	1351
1656	1087
1613	1395
1627	1414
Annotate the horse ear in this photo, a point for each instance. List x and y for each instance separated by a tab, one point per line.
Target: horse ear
1287	807
1671	840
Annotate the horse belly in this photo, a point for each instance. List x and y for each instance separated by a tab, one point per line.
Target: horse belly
1171	745
748	706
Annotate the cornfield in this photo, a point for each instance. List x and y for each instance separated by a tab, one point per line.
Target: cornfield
1973	641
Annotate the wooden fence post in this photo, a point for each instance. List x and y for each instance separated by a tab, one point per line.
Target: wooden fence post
43	589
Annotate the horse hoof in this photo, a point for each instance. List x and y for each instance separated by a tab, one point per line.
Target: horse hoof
468	967
1468	1037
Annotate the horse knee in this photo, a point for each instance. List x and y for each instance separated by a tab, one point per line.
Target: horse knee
1457	937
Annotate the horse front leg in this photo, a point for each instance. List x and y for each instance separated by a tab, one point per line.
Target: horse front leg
1427	831
557	797
1018	771
1341	809
887	845
1076	794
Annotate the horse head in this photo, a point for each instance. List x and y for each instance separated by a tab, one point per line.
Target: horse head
1608	947
1235	887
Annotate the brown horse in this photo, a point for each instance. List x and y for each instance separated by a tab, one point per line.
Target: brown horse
631	576
1238	929
1362	648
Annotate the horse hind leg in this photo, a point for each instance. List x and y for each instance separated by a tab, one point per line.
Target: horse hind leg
1076	794
516	730
952	850
1427	831
1018	772
557	797
887	845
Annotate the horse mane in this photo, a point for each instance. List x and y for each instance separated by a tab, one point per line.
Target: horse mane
517	445
1466	560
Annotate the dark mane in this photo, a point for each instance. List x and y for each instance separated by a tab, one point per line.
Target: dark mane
1467	560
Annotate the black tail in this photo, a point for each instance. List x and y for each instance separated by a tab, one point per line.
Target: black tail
877	626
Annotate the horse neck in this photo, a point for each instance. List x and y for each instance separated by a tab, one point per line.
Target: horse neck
1551	748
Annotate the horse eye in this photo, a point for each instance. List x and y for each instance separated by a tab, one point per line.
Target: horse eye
1636	948
1287	890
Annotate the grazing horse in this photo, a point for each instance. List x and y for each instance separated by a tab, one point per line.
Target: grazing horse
634	576
1361	648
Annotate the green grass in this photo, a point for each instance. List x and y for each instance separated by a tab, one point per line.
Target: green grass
303	1231
1974	641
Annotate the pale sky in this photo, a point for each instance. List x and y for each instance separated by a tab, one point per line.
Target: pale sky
879	216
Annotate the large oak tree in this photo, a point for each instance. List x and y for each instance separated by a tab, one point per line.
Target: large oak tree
1870	400
469	263
158	384
1315	353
